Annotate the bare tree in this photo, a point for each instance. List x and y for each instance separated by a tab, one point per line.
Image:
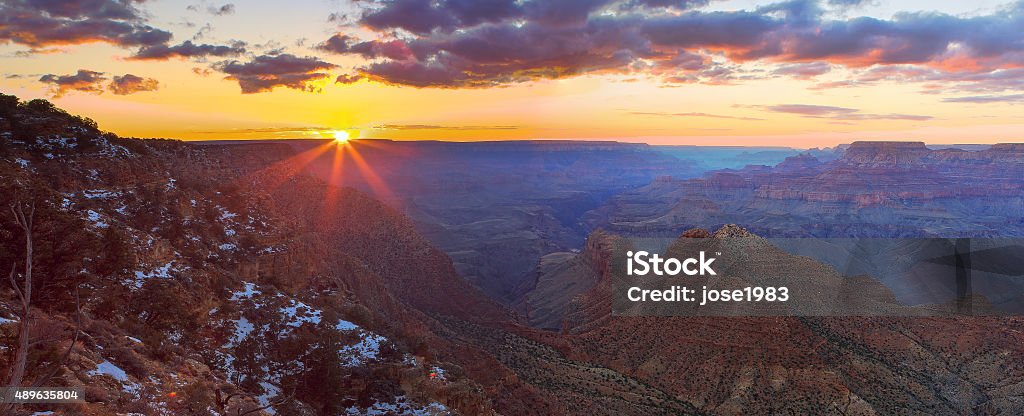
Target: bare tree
24	291
16	374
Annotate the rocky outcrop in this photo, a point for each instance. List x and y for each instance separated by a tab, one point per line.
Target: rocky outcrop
885	154
890	189
564	276
696	233
731	231
805	365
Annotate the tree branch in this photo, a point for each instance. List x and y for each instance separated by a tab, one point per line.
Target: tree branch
14	284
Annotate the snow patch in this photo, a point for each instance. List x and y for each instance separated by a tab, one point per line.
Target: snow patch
248	291
297	312
162	272
109	369
269	391
344	325
366	350
242	330
401	406
225	214
94	218
100	194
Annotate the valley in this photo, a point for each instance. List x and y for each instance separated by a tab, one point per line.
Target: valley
445	278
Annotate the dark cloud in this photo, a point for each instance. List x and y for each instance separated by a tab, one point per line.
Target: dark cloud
839	113
266	72
222	10
131	84
986	99
188	49
84	80
348	79
416	16
563	12
465	43
44	23
92	82
675	4
494	54
391	49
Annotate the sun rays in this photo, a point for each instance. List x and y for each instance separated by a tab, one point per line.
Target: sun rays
337	161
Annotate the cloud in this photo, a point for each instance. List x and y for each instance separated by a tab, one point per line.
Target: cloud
92	82
343	44
348	79
839	113
437	127
188	49
811	110
131	84
425	16
84	80
694	114
803	70
496	54
222	10
279	131
674	4
266	72
934	80
482	43
226	9
986	99
890	116
848	3
46	23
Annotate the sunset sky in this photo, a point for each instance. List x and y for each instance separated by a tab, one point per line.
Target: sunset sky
796	73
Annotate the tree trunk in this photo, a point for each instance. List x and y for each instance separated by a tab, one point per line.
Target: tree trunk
21	354
24	292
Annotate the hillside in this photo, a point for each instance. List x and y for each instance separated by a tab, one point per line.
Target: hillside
212	278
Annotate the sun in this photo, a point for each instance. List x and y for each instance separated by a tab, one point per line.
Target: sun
341	136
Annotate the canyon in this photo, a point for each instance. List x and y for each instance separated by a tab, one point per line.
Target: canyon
447	278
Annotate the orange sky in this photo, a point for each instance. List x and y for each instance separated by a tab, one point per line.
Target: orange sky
195	101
